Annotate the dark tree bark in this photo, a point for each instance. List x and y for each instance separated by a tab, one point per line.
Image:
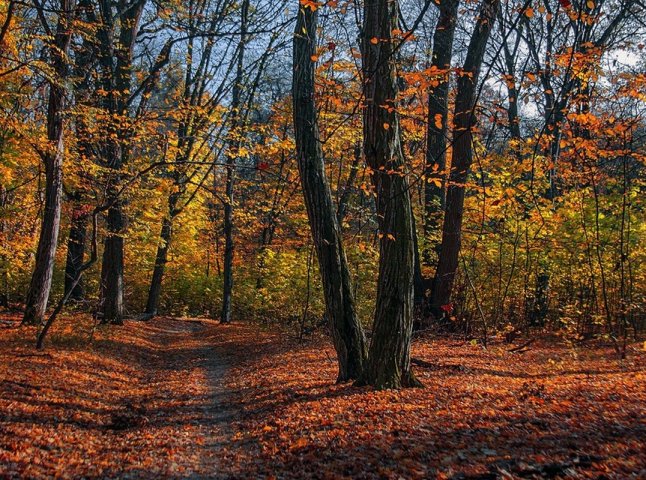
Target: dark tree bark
437	123
112	264
229	247
76	253
512	91
347	334
342	208
234	144
154	293
462	156
117	78
4	261
52	157
388	364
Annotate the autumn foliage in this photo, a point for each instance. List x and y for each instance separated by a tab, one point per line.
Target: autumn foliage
210	210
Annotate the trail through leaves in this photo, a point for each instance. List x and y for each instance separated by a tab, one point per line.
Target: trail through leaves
144	400
189	398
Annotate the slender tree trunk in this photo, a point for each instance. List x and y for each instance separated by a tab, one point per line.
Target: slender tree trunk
461	158
229	248
75	254
437	124
154	293
4	261
347	334
41	280
420	284
388	364
342	208
235	143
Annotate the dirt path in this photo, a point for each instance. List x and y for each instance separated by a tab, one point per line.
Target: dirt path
186	382
142	401
182	398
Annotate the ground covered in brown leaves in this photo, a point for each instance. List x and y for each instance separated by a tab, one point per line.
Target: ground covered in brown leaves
189	398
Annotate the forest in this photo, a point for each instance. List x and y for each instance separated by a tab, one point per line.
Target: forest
323	239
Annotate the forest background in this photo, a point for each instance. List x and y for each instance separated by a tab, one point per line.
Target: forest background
159	137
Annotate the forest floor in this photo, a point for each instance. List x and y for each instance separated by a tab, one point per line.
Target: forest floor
188	398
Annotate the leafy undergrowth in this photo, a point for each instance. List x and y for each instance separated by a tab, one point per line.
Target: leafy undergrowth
153	400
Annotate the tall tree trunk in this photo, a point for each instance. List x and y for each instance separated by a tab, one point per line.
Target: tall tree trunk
41	280
4	261
119	83
437	122
235	143
229	246
461	158
347	334
154	293
75	253
388	364
52	157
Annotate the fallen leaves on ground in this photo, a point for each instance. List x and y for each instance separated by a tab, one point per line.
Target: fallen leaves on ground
190	398
141	400
550	412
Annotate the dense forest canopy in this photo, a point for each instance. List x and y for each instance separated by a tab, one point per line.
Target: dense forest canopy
475	166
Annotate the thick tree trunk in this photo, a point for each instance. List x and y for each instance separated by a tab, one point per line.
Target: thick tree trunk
437	122
461	158
41	280
112	266
347	334
388	364
75	254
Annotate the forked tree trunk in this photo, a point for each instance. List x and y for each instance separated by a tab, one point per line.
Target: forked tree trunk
52	157
461	158
347	334
388	364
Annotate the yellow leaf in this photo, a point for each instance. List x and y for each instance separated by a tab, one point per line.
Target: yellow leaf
386	125
374	40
